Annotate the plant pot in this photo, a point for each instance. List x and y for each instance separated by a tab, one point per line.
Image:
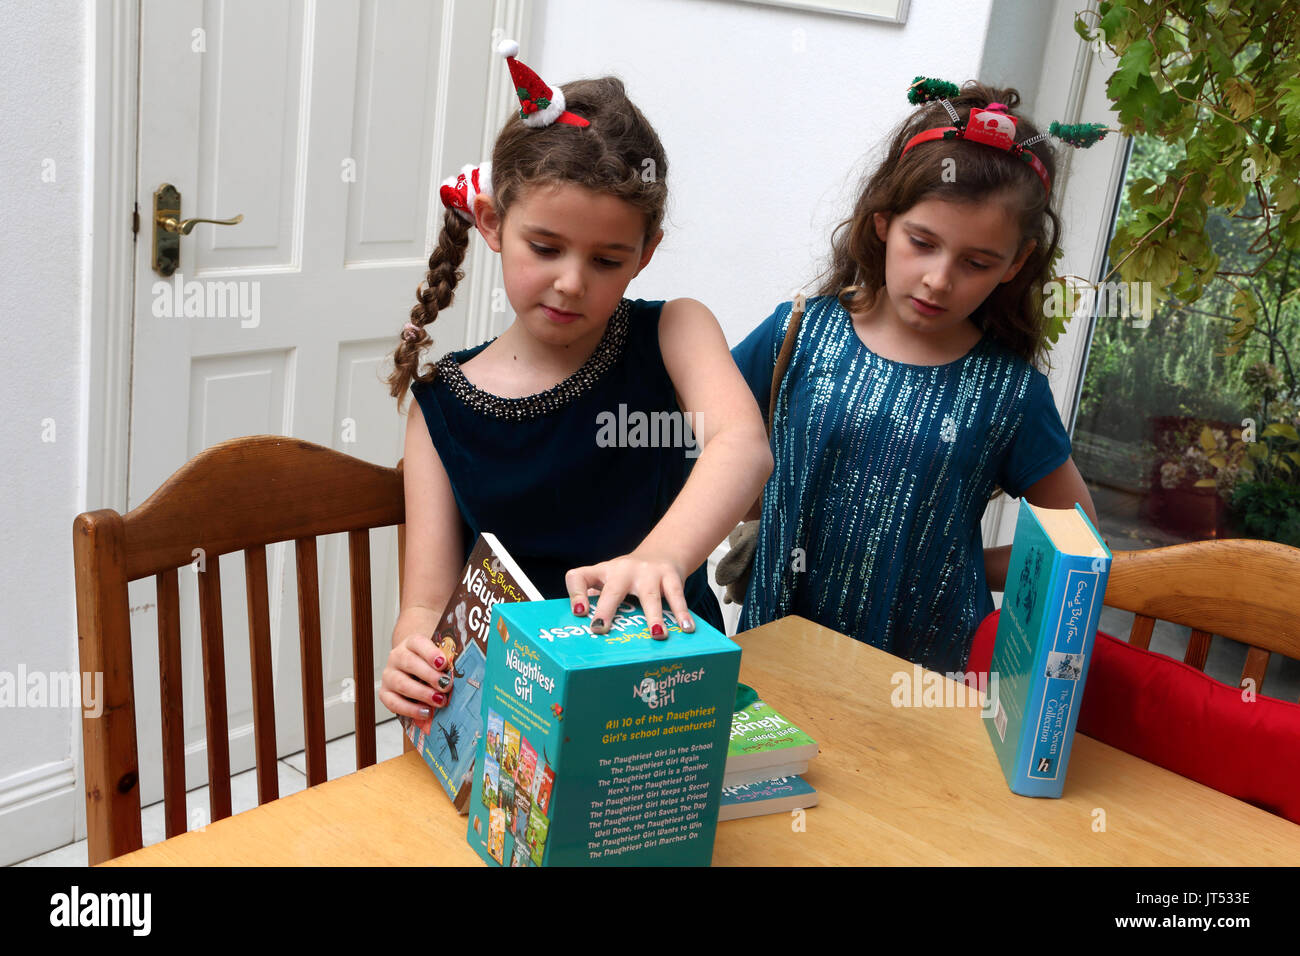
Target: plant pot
1193	513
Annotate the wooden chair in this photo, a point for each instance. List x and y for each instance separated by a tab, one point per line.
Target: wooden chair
1239	588
239	495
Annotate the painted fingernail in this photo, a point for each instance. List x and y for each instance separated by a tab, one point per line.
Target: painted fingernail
597	623
658	633
444	682
688	624
424	712
439	661
439	699
580	609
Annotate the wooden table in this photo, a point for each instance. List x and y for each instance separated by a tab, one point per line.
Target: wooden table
905	785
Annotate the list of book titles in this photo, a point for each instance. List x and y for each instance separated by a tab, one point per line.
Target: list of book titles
649	799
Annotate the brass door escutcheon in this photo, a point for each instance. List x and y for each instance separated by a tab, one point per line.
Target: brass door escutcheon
168	227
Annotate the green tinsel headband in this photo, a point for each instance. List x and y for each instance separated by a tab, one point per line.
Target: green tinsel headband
993	126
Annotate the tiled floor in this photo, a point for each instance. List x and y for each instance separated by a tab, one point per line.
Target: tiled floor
340	759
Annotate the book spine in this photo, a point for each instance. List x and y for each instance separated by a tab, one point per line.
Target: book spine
1060	668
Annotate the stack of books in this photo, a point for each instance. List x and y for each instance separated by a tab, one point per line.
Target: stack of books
765	758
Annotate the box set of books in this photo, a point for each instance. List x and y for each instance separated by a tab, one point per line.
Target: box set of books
600	749
1056	580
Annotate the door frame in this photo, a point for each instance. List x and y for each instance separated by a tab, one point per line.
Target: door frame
108	308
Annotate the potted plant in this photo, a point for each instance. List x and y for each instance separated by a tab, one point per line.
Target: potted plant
1194	472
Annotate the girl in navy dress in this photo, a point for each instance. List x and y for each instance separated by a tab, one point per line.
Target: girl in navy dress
564	436
911	395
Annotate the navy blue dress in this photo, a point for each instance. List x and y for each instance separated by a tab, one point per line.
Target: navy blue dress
566	478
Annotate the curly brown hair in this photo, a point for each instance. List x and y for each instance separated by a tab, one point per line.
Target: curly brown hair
1013	312
618	154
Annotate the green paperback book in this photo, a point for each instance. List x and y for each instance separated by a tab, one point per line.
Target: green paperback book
761	738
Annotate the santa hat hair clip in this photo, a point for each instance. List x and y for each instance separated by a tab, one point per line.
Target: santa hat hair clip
539	105
993	126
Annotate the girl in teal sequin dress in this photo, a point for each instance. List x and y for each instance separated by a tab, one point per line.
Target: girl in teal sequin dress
512	437
911	394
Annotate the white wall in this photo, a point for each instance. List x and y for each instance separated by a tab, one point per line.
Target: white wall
43	93
768	117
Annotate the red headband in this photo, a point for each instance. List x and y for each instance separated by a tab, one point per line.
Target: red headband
990	126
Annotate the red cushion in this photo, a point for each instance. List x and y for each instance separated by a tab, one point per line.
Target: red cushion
1171	714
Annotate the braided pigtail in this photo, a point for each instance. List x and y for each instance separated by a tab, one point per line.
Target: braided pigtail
436	293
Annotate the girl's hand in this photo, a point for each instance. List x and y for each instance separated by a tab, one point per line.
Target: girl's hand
416	678
651	577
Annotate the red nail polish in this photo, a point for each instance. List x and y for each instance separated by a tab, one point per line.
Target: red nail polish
439	661
439	699
580	609
658	631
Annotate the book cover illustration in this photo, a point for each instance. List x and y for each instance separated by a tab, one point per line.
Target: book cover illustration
491	782
535	835
628	736
527	766
510	752
495	728
497	834
507	798
542	796
448	738
1058	571
523	807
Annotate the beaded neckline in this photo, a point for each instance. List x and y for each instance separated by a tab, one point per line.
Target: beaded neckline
530	407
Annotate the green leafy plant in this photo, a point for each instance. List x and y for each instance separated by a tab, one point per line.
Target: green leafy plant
1269	511
1214	223
1217	80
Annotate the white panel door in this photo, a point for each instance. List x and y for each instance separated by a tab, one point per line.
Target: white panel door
328	126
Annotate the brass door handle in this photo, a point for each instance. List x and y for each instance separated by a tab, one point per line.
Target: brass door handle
168	228
185	225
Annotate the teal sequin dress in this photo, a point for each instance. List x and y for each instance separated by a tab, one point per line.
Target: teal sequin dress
871	519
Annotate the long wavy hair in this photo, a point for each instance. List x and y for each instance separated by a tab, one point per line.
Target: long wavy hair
1013	312
618	154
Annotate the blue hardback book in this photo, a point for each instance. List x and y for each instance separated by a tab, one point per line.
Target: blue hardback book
1056	580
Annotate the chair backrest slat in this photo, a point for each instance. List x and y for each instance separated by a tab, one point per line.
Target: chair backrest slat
313	697
1198	649
1140	635
363	646
1255	668
214	684
170	676
259	659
